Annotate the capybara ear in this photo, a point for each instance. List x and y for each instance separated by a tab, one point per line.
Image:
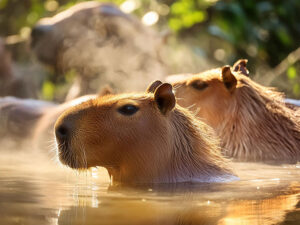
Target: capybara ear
229	79
240	66
165	98
152	87
106	90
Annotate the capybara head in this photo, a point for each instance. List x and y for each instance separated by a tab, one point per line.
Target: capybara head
252	121
140	138
98	40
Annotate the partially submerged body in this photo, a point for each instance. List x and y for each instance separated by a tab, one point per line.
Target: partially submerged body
253	121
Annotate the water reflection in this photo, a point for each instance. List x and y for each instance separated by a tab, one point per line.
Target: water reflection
39	192
266	211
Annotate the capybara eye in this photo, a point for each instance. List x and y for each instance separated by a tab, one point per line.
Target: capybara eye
128	110
199	85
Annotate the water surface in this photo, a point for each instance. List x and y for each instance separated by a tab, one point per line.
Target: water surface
35	190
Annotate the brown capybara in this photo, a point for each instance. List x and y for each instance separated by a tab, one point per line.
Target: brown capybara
140	138
253	121
102	44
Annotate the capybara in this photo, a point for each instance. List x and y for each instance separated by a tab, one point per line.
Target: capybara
102	44
141	138
253	121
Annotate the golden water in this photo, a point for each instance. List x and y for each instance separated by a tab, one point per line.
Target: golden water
37	191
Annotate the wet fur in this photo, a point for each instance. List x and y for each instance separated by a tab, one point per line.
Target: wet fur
195	149
259	126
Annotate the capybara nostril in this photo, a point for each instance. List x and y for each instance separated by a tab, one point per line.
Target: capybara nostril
62	132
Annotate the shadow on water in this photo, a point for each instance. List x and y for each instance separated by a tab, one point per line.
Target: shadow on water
34	190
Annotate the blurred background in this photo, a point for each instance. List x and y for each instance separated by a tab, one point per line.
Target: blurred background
198	35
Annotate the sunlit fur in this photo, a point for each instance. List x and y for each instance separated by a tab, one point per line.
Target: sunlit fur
146	147
252	121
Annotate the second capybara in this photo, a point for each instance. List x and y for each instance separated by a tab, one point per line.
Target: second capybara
253	121
102	44
141	138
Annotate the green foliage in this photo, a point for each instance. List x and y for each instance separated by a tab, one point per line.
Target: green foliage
185	14
292	73
294	80
48	90
262	31
296	89
271	27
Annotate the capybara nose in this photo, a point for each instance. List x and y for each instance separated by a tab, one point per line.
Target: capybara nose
62	132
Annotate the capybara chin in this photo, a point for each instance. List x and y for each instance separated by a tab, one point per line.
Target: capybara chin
253	121
140	138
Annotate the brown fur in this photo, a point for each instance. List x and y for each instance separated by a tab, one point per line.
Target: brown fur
102	44
159	143
252	121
